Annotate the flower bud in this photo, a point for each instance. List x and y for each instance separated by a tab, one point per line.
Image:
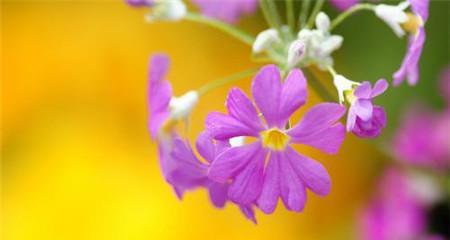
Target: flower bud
295	53
181	107
264	40
322	22
394	16
167	10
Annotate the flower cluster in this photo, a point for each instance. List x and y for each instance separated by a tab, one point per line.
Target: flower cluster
248	153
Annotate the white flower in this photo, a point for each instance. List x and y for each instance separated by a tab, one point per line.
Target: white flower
394	16
180	107
295	53
265	40
319	43
342	84
167	10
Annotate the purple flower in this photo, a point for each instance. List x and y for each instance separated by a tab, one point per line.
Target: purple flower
343	5
269	167
415	24
159	93
423	139
140	3
184	171
364	119
395	213
229	11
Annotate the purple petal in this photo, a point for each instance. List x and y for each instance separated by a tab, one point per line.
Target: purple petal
229	11
379	88
248	212
292	187
140	3
222	127
293	94
410	65
268	199
313	174
351	118
420	7
241	108
155	122
231	162
158	68
343	5
364	90
266	90
363	109
371	128
218	193
205	146
320	122
248	183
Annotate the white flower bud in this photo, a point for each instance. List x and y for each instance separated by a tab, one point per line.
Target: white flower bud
330	44
322	22
264	40
342	84
167	10
393	16
181	107
237	141
295	53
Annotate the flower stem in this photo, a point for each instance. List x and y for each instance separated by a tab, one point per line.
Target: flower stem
304	13
349	12
227	28
226	80
318	87
315	11
270	14
290	15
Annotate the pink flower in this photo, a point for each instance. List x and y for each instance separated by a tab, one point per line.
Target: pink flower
226	10
269	167
395	213
343	5
364	119
410	65
184	171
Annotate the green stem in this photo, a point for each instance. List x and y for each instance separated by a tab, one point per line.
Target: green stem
290	15
320	89
349	12
267	15
274	13
304	13
227	28
226	80
316	10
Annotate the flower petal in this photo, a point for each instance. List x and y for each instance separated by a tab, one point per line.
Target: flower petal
410	65
240	107
205	146
318	127
313	174
268	199
155	122
292	188
266	90
293	94
230	162
158	68
351	118
249	213
379	88
218	193
363	109
364	90
247	185
223	127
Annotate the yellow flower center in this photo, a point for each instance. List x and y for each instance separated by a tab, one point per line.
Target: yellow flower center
274	139
413	23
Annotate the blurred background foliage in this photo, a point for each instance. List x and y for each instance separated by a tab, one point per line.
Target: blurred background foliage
77	161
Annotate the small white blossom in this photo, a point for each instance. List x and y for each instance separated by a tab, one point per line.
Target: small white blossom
167	10
394	16
295	53
265	40
342	84
319	43
181	107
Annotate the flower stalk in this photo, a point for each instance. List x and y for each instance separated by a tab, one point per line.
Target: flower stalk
349	12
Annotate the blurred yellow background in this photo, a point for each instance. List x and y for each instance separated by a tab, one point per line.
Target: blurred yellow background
78	162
